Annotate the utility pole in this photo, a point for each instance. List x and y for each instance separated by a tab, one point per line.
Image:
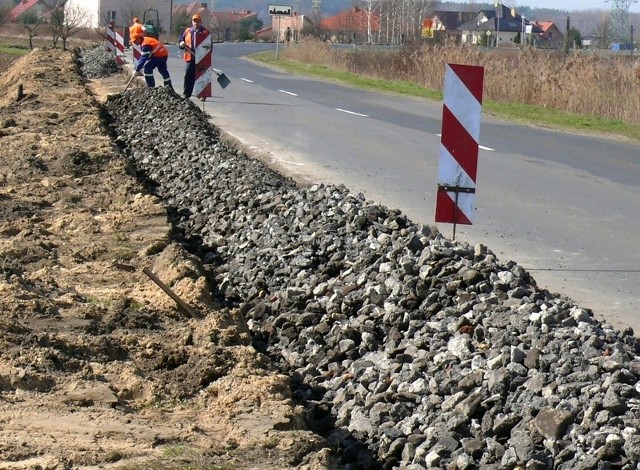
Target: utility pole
619	25
566	38
498	17
315	8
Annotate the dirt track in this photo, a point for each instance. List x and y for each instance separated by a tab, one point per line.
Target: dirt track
99	368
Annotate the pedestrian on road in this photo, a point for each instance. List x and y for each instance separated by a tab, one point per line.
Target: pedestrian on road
154	55
190	39
135	29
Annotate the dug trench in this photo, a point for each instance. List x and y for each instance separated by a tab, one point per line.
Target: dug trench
331	331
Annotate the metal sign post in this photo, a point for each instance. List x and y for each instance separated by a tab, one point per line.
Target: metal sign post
456	190
278	37
279	11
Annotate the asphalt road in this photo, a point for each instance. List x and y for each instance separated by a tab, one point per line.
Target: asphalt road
563	206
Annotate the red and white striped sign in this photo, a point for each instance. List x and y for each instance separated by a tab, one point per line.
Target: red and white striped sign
202	85
459	144
115	43
137	53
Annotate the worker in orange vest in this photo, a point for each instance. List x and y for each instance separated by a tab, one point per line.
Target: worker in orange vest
189	40
135	29
154	55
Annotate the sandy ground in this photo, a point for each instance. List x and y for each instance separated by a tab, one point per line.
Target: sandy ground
99	367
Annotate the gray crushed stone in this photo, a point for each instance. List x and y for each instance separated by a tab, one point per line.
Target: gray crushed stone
409	350
97	63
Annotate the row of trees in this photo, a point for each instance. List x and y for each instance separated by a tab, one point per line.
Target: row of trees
387	21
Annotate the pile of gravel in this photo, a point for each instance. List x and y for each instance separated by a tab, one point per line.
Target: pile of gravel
411	351
98	63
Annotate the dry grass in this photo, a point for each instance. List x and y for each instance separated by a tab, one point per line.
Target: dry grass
607	86
312	51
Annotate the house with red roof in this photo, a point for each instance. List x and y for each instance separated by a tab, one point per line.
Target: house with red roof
285	28
226	25
25	6
551	36
188	10
353	25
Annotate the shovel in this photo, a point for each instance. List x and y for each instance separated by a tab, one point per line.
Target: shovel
222	80
129	82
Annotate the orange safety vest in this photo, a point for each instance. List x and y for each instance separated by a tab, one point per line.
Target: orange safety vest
154	47
189	37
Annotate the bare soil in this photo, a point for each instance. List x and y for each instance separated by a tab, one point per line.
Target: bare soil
99	367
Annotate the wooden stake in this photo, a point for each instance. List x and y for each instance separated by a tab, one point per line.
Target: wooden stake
185	306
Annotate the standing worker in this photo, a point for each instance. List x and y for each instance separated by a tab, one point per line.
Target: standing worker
135	29
189	41
154	55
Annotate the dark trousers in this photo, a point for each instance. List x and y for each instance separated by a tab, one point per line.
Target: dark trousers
161	64
189	78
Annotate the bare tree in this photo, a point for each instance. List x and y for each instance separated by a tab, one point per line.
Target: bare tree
55	24
30	22
181	21
224	28
370	7
67	19
401	20
55	10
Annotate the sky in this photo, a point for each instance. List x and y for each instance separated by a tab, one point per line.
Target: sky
573	5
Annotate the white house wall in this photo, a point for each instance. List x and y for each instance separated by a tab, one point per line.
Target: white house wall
90	7
125	10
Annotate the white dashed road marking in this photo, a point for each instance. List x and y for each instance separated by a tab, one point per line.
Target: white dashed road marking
351	112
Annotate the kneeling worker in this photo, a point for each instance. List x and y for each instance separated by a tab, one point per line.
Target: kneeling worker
154	55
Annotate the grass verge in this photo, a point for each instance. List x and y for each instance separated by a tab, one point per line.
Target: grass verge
13	50
522	113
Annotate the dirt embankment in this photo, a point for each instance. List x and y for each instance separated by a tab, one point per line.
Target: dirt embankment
99	368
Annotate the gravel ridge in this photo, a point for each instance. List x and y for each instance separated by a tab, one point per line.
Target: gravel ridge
411	351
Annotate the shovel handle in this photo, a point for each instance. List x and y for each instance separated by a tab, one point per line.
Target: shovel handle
129	83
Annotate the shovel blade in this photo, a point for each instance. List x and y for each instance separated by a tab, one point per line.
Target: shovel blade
223	80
